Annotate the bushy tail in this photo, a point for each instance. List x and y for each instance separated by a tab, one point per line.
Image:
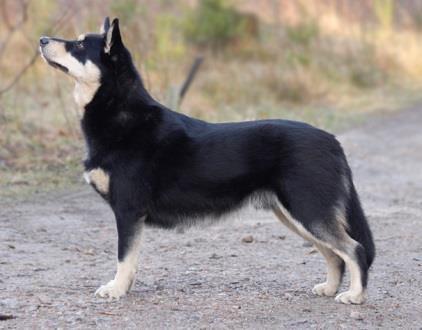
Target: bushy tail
359	227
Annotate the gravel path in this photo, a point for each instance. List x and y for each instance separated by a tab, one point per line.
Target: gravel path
55	251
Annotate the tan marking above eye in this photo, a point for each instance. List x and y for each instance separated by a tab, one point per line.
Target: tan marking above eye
81	37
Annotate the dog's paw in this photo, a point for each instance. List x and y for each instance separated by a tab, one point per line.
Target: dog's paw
111	290
350	297
323	289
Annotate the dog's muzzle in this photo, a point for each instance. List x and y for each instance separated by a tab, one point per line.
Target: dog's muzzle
44	41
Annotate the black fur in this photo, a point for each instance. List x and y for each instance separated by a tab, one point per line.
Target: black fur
176	170
171	170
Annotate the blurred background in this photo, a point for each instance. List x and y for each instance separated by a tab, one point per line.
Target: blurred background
332	63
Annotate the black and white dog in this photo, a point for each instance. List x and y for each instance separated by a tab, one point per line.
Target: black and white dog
158	167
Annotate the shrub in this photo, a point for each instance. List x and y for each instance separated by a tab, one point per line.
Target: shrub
303	33
214	24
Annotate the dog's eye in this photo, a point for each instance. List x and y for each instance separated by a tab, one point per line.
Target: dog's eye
79	44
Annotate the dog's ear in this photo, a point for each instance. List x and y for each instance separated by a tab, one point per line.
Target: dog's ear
106	26
112	38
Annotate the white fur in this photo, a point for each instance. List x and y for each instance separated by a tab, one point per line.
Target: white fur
99	178
109	40
286	218
87	178
355	294
84	93
126	269
331	285
87	75
102	30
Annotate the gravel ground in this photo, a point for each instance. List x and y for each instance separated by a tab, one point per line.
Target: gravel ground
56	250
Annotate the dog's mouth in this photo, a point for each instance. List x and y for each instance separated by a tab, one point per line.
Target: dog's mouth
53	63
57	66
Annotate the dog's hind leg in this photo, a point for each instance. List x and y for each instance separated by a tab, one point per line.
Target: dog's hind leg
335	265
355	257
336	246
335	271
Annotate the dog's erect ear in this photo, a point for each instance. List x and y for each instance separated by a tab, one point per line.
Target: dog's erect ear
112	38
105	26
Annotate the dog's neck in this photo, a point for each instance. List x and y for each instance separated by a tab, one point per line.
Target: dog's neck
84	93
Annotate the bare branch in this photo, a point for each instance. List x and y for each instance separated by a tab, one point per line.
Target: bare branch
20	73
6	20
191	76
15	27
56	26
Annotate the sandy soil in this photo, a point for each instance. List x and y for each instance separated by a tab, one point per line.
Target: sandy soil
55	251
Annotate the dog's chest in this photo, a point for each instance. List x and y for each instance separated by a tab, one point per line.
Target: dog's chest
84	93
99	179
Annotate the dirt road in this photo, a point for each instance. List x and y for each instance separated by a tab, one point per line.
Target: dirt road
55	252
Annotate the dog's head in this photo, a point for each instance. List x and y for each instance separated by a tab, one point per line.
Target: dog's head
87	58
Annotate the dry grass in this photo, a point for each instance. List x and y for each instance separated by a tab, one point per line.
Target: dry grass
310	63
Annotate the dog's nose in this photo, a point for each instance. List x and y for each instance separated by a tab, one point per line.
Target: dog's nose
44	41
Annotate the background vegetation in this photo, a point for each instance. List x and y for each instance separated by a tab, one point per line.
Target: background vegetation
328	62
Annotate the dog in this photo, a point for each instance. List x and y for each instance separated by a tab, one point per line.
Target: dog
161	168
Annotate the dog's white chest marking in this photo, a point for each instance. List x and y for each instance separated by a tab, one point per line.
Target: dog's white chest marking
84	93
99	179
87	81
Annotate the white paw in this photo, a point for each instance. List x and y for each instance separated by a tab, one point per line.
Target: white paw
323	289
350	297
112	290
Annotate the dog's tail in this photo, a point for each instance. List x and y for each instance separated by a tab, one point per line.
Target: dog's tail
358	225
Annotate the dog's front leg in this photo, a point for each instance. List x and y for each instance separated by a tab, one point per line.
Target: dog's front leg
129	230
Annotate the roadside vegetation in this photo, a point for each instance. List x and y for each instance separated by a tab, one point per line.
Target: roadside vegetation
330	63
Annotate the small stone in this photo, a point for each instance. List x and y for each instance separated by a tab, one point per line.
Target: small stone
90	252
4	317
356	315
11	246
247	239
307	244
288	296
39	269
215	256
